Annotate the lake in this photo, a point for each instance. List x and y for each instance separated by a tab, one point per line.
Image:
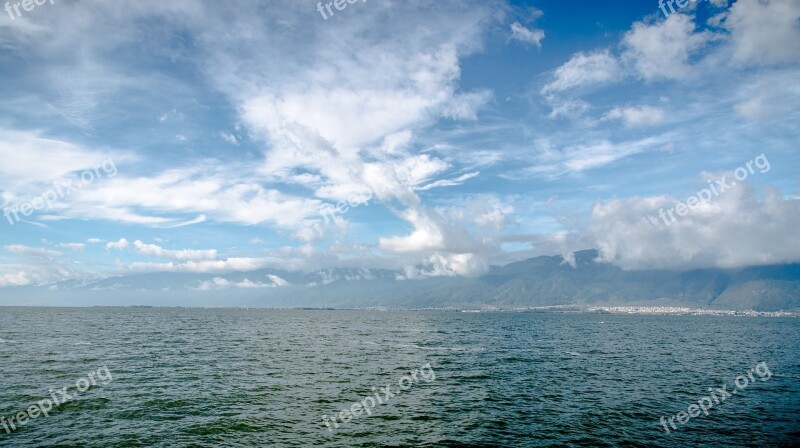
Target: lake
167	377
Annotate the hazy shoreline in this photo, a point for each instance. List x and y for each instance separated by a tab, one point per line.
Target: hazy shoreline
561	309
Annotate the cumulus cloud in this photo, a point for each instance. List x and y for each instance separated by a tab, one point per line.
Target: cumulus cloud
432	233
38	266
180	255
488	212
317	116
740	228
221	283
447	265
460	239
119	245
662	50
324	124
17	279
277	281
427	235
583	70
765	32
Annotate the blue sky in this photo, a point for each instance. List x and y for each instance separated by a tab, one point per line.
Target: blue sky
453	135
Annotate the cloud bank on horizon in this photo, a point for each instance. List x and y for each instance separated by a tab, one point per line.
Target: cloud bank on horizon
433	137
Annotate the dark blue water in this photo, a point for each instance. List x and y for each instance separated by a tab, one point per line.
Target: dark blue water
207	378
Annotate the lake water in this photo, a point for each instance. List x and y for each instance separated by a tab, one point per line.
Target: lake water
225	377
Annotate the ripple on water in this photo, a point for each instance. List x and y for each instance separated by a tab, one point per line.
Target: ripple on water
185	377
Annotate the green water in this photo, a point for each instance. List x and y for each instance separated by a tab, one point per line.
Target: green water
208	378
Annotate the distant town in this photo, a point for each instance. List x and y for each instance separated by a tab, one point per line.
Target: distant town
663	310
573	309
652	310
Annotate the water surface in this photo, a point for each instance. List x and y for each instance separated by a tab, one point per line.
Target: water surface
226	377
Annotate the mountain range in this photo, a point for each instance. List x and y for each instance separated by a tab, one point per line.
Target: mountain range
540	281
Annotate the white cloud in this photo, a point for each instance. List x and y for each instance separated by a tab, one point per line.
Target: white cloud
427	235
78	247
769	97
330	116
338	124
585	156
456	251
32	251
486	211
465	106
397	177
449	182
119	245
33	162
38	266
662	50
448	265
569	258
637	116
567	108
215	283
530	36
312	233
765	32
230	138
753	109
349	115
180	255
489	212
740	228
277	281
241	264
319	116
190	222
221	283
585	69
18	279
205	190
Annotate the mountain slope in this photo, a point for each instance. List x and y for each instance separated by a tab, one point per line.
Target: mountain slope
540	281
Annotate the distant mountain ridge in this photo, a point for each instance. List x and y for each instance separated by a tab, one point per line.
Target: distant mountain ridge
540	281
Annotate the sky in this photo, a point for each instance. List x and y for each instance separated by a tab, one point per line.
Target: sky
437	137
